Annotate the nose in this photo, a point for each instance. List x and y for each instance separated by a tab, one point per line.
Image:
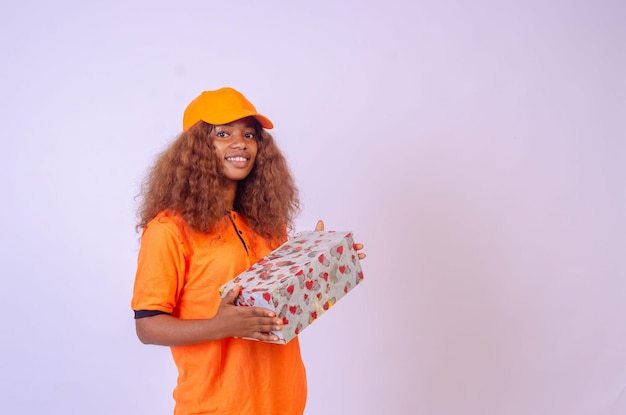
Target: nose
239	141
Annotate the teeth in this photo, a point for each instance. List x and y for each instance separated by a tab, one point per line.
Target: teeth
236	159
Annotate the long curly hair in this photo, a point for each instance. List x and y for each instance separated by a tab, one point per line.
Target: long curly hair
187	180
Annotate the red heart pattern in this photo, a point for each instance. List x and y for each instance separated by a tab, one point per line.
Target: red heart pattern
301	279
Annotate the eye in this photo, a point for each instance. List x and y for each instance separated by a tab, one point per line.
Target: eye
221	134
249	136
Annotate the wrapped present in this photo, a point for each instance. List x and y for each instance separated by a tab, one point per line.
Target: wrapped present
301	279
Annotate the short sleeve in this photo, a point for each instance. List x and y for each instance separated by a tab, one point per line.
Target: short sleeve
161	268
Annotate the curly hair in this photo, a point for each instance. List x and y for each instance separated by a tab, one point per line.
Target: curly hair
187	180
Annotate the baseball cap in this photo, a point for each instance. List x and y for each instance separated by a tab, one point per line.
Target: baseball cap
221	106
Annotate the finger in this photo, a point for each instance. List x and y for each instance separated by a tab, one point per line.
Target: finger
266	337
261	330
358	246
319	226
232	295
260	312
362	255
264	323
267	332
266	328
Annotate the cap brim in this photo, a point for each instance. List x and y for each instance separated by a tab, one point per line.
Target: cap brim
264	121
216	119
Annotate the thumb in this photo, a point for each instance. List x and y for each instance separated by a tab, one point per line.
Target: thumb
232	295
319	226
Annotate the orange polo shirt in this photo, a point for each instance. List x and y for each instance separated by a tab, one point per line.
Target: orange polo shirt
180	274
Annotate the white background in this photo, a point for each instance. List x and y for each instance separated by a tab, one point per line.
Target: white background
477	149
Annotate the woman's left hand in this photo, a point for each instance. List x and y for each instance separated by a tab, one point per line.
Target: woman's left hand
320	227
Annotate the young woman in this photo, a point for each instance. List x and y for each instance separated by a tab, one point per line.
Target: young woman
217	200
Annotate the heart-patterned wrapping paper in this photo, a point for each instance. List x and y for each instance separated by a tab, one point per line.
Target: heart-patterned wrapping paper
301	279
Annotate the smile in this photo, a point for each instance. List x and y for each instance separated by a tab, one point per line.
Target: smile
237	159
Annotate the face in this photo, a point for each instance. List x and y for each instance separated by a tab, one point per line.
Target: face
236	146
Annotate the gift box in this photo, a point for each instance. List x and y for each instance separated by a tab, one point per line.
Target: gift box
301	279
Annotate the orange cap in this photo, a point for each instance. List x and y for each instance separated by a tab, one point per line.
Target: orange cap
221	106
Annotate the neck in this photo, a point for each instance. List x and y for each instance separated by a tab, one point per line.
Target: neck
229	193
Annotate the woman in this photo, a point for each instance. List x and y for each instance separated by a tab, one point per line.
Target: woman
217	200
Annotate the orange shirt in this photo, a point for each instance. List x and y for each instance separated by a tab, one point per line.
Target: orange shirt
181	274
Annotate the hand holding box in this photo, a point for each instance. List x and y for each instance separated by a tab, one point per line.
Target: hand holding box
301	279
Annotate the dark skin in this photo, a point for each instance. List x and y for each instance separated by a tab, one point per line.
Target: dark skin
234	139
229	321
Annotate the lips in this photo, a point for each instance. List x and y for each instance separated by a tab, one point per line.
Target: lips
239	160
239	156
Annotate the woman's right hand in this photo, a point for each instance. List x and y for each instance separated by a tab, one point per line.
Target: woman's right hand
243	321
229	321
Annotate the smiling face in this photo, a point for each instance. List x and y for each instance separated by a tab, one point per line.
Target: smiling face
236	145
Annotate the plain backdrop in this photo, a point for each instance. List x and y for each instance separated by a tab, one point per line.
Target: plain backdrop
477	149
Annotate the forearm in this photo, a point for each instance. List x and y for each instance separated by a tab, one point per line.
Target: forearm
229	321
166	330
